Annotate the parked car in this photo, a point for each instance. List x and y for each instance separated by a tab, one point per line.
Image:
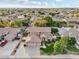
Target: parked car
3	43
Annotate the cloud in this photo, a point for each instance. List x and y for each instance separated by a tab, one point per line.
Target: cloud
33	3
19	1
25	4
39	3
22	0
46	4
59	0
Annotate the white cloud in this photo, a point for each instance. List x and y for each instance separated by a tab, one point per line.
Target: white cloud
23	0
24	4
59	0
35	2
20	6
46	4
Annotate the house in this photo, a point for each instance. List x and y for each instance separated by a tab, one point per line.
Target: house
64	31
34	17
33	40
20	16
37	35
39	31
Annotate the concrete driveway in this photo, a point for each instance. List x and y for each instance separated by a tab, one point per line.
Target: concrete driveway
33	50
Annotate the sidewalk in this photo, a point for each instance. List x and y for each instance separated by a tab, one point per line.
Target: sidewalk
69	56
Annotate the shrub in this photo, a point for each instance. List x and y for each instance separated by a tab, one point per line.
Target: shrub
54	30
71	41
48	50
57	47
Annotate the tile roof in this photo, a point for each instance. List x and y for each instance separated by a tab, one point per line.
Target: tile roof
39	29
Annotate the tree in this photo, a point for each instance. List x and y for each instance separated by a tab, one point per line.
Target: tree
41	13
25	22
54	30
64	42
61	45
52	14
13	24
1	25
18	23
76	14
4	23
39	23
49	20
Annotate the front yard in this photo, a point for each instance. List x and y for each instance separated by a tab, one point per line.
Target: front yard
63	45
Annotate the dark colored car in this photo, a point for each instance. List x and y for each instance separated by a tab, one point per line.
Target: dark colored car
3	43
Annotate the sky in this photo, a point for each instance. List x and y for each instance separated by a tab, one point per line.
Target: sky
39	3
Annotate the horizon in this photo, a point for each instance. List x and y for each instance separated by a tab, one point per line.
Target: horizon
39	3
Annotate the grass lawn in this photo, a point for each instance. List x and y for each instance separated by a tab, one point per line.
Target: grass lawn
73	49
48	50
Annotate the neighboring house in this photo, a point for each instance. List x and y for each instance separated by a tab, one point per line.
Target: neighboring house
64	31
71	32
34	18
20	16
58	16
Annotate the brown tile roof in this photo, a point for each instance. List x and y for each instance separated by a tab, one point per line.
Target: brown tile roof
39	29
34	39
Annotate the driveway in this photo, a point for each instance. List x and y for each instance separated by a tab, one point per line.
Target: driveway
33	50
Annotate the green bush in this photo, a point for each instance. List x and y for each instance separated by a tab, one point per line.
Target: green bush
52	14
61	45
57	47
54	30
73	49
26	22
71	41
58	38
48	50
49	20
